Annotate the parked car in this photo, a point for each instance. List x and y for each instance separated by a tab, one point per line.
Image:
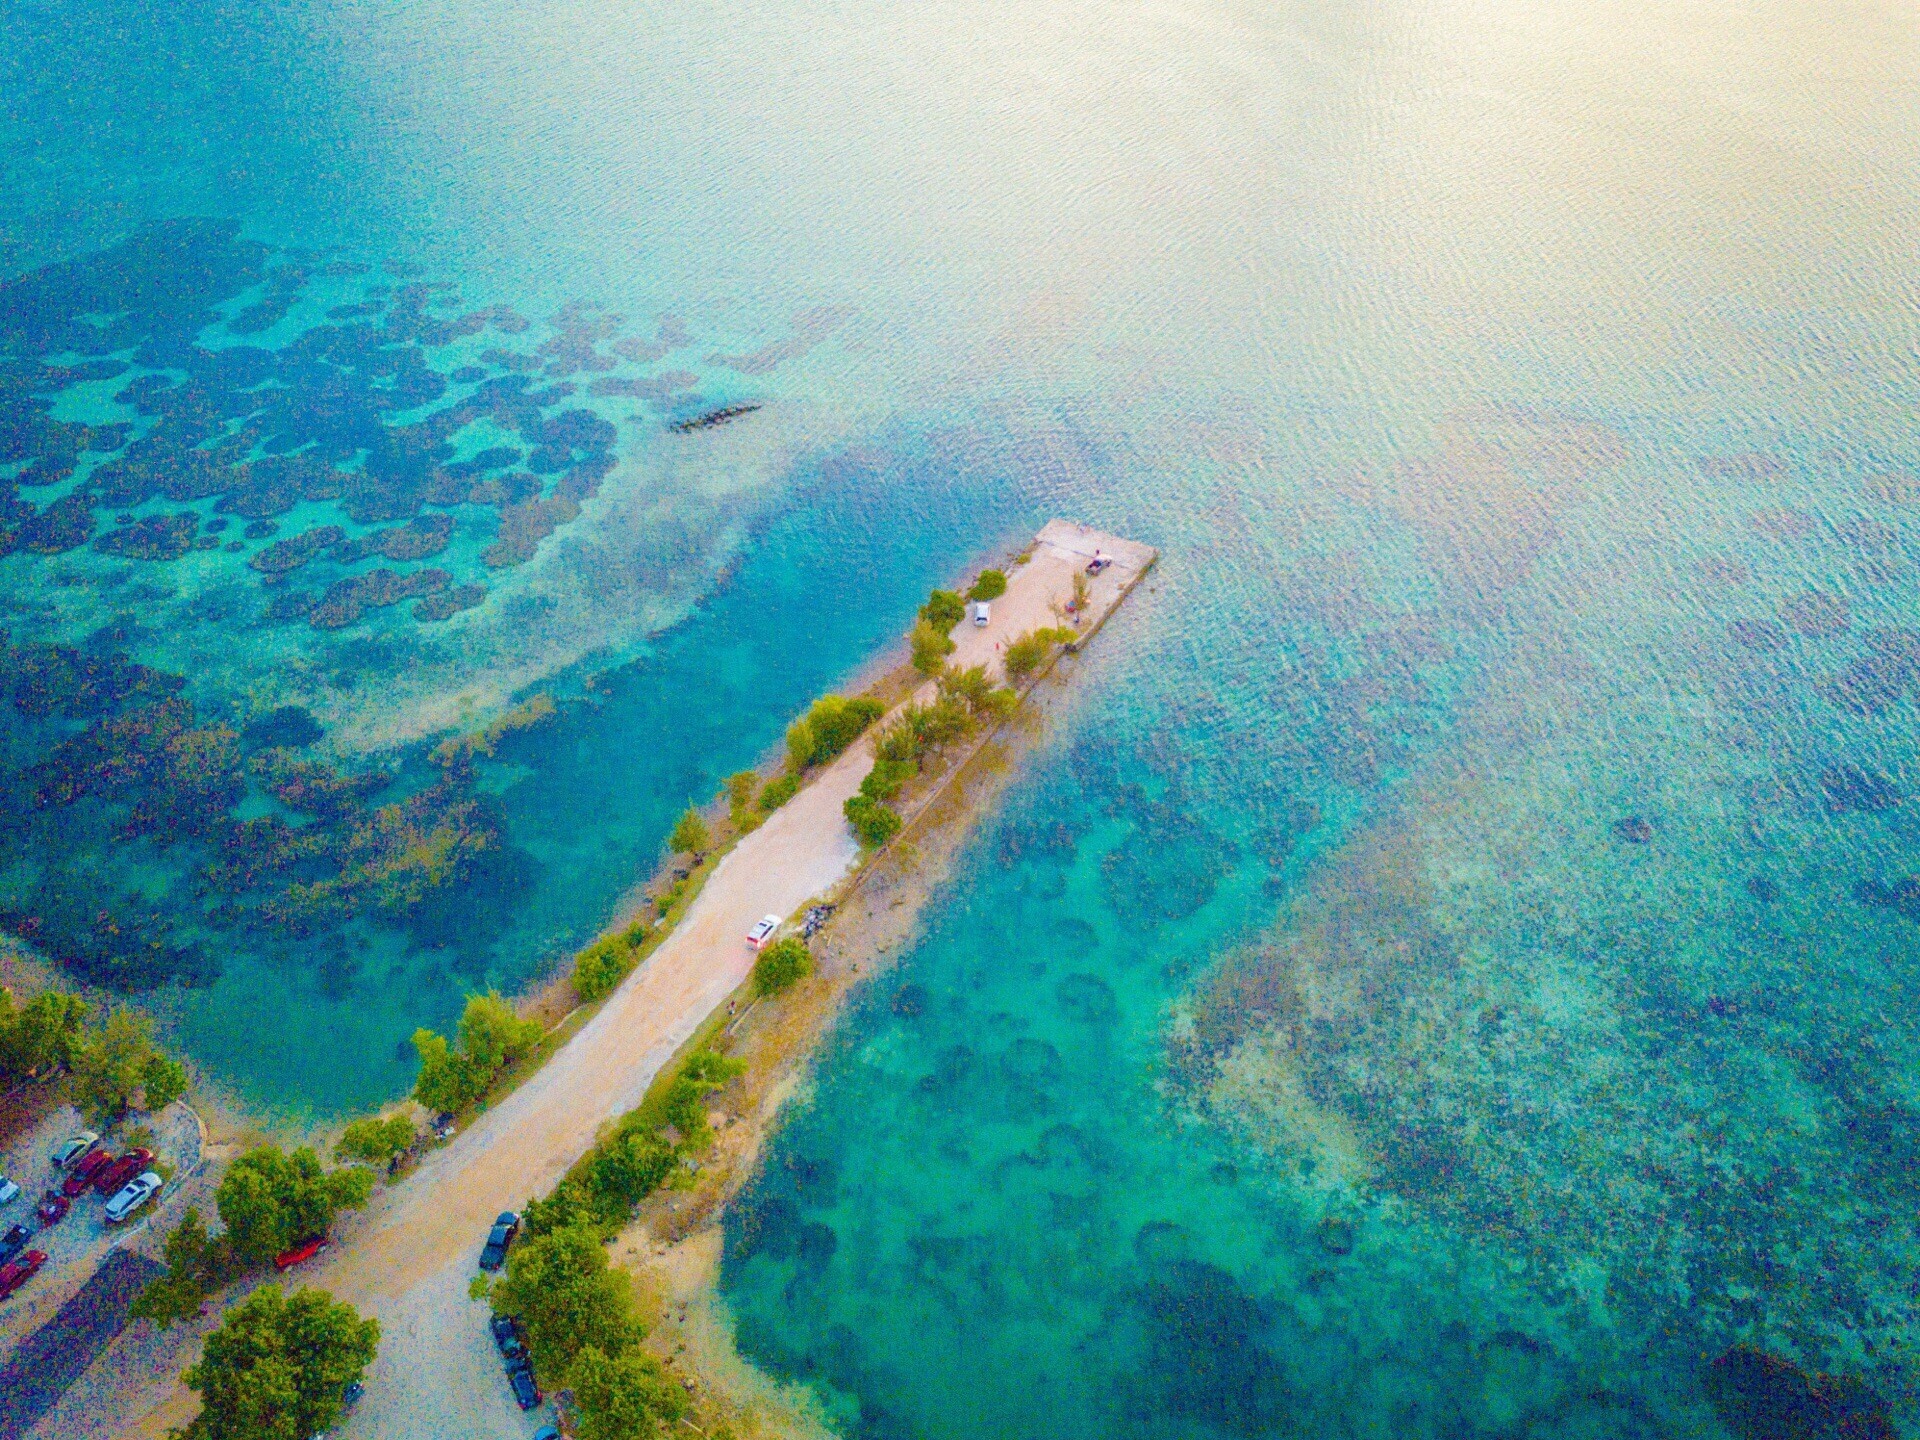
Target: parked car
79	1145
9	1191
546	1432
53	1209
136	1193
13	1276
80	1176
982	613
494	1254
524	1390
112	1177
13	1242
506	1335
762	931
305	1250
351	1395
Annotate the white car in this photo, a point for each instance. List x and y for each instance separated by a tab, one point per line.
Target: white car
8	1191
137	1191
762	932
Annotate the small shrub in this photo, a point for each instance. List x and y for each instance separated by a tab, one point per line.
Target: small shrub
943	610
931	646
689	834
802	746
781	964
873	822
740	788
885	780
778	792
991	585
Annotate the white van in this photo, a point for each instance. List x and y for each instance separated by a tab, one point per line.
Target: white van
982	612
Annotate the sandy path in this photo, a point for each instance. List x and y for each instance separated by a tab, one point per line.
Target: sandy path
408	1259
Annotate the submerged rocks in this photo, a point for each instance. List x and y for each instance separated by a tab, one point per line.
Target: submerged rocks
448	603
1848	787
1634	830
160	537
420	538
1767	1397
1902	896
284	556
345	601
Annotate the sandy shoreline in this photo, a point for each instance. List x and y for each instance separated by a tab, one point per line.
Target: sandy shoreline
407	1258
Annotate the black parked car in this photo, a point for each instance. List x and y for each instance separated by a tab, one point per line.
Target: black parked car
524	1390
498	1239
506	1335
13	1242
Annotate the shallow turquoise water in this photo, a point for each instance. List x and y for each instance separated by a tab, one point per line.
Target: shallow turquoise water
1449	970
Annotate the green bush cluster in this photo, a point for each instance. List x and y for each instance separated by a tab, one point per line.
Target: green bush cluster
943	610
931	646
636	1156
1030	651
740	807
41	1036
490	1037
778	791
582	1334
873	822
599	969
269	1201
377	1140
831	724
991	585
785	961
278	1369
887	778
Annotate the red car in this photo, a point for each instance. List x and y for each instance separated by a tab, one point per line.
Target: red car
13	1276
305	1250
122	1170
54	1208
83	1172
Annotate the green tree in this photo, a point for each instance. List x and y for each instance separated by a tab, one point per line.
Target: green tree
991	585
377	1140
271	1201
111	1068
836	722
599	969
625	1396
943	610
492	1035
446	1081
276	1368
689	834
872	822
887	777
784	962
629	1167
45	1032
163	1080
1031	650
195	1265
560	1286
931	646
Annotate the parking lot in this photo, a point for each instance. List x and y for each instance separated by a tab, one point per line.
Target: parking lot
77	1245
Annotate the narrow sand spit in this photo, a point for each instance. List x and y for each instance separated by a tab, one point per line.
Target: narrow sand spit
408	1259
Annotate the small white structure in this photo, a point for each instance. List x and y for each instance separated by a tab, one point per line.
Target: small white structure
982	612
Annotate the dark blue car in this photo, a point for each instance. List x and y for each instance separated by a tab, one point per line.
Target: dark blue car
524	1390
498	1239
13	1242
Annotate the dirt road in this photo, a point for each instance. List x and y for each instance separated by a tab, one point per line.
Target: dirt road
408	1259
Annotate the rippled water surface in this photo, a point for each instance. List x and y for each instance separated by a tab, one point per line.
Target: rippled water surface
1449	969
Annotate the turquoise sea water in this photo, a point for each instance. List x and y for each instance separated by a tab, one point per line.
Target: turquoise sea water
1450	969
